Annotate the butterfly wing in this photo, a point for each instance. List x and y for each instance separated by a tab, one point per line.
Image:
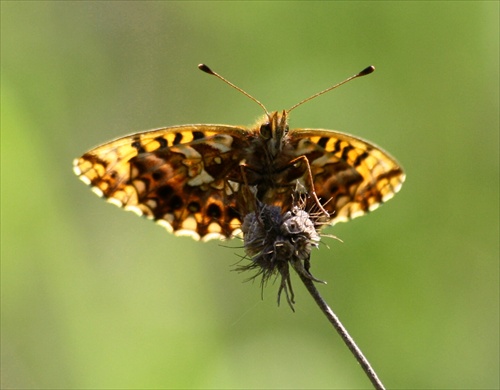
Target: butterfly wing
351	176
176	176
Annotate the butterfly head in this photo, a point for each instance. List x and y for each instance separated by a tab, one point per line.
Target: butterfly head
273	130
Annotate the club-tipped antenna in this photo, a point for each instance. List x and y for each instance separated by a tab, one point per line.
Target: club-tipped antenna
364	72
206	69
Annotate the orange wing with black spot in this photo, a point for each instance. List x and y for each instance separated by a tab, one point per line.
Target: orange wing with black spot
177	176
351	176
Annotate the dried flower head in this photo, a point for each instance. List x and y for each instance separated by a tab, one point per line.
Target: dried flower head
274	240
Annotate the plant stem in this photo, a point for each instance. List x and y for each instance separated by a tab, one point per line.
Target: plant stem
348	340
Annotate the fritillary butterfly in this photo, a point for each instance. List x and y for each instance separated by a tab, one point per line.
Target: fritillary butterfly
188	178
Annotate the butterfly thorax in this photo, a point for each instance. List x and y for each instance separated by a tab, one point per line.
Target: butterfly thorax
268	164
272	131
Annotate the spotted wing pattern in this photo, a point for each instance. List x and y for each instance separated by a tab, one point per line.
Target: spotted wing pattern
177	176
188	178
351	176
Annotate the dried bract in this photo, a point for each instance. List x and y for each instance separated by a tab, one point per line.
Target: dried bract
274	240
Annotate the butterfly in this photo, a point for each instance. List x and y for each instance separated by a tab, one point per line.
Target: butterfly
189	178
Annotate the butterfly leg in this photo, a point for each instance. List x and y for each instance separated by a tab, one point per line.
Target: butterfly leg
311	181
249	195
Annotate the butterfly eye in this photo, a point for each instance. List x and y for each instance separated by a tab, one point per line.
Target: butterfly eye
266	130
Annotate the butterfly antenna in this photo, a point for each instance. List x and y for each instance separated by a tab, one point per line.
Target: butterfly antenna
364	72
206	69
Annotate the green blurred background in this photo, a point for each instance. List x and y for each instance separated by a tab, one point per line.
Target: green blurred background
93	297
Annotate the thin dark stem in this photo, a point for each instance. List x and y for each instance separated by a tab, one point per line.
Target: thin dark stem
348	340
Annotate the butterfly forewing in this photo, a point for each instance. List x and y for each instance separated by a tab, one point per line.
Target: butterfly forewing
350	175
178	176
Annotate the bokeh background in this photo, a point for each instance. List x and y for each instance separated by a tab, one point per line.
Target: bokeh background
93	297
